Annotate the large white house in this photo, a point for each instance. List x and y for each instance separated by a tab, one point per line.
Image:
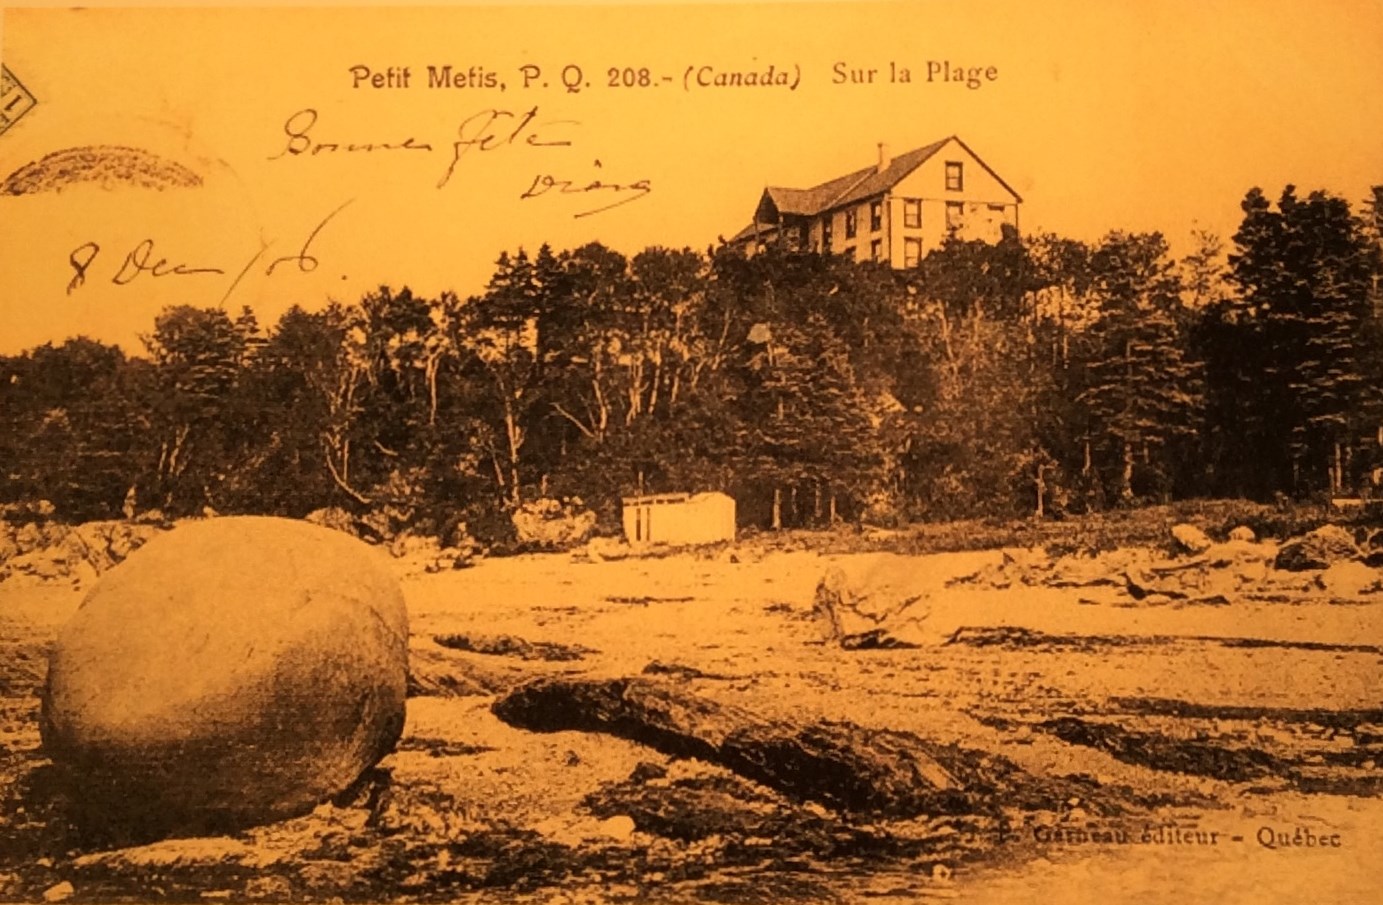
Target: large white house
894	211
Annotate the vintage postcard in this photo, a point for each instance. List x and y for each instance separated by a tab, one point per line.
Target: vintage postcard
723	452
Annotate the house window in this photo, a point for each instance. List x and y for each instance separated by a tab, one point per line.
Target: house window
794	238
849	252
912	213
851	223
826	233
955	176
876	250
955	214
912	251
876	215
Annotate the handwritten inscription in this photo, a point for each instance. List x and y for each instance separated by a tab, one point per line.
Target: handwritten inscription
484	132
298	128
140	260
491	130
622	193
145	261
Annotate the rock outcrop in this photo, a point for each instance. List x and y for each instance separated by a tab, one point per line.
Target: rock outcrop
1317	549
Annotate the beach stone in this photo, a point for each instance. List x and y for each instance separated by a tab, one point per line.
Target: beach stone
1317	549
549	524
1243	533
1348	579
879	606
1190	538
229	672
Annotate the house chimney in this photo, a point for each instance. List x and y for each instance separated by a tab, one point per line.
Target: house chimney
883	157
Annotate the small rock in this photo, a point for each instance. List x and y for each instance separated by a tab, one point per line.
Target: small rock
648	772
28	537
1243	533
1190	538
602	549
194	853
60	892
619	827
1234	552
1140	585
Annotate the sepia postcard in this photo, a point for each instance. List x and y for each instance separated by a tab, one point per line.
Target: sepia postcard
735	452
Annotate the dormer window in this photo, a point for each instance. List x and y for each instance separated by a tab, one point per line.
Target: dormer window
955	176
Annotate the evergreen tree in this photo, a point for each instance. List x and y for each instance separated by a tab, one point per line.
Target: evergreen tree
1141	388
1304	275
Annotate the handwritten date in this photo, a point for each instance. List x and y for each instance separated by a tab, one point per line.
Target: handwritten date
144	261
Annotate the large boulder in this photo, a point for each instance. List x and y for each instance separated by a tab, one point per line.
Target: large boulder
881	606
231	671
1318	549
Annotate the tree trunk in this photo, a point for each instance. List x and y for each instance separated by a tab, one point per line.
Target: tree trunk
777	508
1126	477
840	765
1040	485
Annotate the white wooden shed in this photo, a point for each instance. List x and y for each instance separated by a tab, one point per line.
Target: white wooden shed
679	518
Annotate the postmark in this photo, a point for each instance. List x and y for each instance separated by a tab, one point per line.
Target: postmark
15	100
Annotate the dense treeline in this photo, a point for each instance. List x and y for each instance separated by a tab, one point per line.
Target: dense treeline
1035	376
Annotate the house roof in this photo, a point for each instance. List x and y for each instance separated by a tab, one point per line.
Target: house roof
752	230
859	185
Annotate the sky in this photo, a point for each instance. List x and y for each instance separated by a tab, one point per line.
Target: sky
1136	116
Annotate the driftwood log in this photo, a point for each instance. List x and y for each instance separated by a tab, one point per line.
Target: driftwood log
840	765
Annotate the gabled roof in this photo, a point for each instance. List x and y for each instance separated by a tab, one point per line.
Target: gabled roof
762	230
864	183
